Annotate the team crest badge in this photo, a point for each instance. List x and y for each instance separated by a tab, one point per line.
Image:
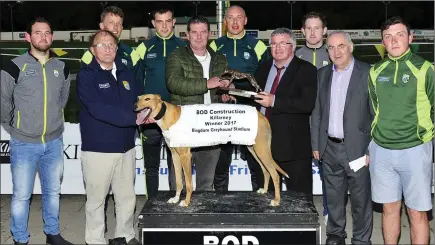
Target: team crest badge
56	73
246	55
126	85
124	61
405	78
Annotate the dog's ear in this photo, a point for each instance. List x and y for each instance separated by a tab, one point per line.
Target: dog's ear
159	97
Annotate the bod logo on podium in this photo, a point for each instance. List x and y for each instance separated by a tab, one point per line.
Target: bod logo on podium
246	240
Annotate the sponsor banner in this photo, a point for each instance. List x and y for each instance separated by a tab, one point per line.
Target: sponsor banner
72	183
4	152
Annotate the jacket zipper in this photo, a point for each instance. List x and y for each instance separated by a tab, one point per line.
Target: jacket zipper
119	96
45	102
395	73
18	120
164	47
235	47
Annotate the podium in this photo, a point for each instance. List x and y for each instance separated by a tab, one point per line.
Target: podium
229	218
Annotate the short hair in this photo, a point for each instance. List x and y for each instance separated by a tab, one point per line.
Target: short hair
393	21
38	20
105	32
197	20
161	9
314	15
284	31
339	32
111	10
235	6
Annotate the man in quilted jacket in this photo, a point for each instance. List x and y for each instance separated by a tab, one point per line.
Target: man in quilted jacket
192	77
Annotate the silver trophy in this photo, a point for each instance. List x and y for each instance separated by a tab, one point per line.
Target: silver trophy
233	74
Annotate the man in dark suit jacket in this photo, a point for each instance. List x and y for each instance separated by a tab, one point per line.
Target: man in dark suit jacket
290	87
341	134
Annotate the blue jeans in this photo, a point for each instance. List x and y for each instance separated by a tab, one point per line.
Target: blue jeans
25	157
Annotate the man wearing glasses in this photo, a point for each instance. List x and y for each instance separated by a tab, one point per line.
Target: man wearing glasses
341	134
290	87
107	91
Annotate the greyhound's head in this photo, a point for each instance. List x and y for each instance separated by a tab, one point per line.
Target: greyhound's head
148	105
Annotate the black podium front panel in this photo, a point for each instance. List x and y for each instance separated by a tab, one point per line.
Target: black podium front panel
230	218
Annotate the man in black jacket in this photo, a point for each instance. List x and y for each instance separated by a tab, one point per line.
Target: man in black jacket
290	87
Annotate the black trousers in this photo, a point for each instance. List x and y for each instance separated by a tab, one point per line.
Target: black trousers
300	179
152	140
222	173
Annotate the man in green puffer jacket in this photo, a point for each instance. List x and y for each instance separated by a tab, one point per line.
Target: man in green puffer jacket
401	88
192	76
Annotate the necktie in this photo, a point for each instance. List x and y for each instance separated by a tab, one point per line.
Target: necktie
273	89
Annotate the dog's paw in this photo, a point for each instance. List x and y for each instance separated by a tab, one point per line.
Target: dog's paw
183	204
174	200
261	191
274	203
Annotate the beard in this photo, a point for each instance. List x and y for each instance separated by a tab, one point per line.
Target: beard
41	47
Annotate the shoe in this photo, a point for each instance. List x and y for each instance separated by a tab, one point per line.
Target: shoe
118	241
133	241
326	220
20	243
56	240
334	240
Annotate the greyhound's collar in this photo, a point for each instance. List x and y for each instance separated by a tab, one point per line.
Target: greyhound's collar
161	112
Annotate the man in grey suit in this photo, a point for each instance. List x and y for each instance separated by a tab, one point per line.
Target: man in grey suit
340	134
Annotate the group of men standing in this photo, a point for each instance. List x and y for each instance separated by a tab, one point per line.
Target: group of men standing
320	101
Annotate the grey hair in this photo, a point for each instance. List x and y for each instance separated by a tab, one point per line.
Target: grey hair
284	31
339	32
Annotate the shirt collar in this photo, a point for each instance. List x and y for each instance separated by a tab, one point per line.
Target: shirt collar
286	64
244	34
113	67
347	67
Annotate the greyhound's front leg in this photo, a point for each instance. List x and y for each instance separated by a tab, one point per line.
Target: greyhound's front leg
178	178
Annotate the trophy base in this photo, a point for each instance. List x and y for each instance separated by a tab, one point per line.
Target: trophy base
237	92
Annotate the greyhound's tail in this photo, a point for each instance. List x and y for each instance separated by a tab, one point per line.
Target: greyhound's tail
279	169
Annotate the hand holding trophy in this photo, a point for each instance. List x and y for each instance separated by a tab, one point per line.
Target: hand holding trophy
233	74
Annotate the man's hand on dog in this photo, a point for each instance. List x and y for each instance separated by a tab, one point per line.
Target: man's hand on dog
265	99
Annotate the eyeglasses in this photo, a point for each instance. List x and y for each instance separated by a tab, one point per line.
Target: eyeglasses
281	44
110	46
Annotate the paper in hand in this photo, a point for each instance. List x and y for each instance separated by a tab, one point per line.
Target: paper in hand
357	164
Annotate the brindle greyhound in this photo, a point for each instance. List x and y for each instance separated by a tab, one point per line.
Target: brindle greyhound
166	115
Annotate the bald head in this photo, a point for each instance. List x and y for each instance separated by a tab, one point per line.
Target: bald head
235	19
102	34
235	8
